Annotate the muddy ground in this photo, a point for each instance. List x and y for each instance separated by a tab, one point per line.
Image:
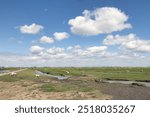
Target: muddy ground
126	92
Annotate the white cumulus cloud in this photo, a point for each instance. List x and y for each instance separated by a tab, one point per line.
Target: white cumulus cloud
81	57
36	49
55	50
45	39
130	42
100	21
117	39
61	35
31	29
69	48
90	51
96	49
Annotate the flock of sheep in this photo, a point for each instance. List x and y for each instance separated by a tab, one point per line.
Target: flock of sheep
12	74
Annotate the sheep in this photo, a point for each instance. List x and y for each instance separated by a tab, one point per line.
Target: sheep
13	74
67	72
37	75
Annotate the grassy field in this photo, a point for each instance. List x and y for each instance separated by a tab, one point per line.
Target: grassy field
28	75
80	85
135	73
9	68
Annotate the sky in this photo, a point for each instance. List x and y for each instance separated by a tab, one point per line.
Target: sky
74	33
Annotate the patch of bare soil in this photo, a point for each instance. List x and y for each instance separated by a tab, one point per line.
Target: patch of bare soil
28	90
125	92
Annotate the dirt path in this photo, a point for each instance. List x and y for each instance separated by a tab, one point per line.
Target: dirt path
3	74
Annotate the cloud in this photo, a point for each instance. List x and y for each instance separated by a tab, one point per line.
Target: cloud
100	21
45	39
36	49
89	51
77	46
96	49
79	57
30	61
74	52
138	45
117	39
31	29
55	50
55	53
69	48
61	35
130	42
48	53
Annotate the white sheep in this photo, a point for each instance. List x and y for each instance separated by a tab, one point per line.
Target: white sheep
67	72
13	74
37	75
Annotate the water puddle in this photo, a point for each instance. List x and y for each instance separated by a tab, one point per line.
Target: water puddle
53	76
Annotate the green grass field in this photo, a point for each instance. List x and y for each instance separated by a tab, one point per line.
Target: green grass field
81	80
135	73
9	68
124	73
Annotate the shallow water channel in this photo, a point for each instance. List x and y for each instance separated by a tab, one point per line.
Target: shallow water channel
53	76
147	84
4	71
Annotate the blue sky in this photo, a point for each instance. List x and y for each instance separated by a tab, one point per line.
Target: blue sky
41	33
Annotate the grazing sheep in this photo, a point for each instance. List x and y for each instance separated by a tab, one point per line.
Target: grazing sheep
13	74
67	72
37	75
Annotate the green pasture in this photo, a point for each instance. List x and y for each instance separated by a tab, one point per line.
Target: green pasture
128	73
81	79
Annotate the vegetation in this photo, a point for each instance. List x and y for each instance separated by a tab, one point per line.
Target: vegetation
82	83
23	75
9	68
67	86
128	73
